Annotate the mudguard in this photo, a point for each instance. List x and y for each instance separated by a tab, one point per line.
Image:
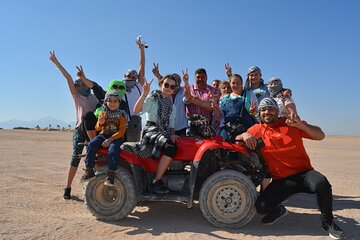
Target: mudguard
210	145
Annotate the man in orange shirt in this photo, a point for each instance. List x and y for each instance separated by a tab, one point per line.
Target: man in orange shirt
289	165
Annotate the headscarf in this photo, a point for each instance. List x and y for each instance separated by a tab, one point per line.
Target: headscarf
275	90
268	102
116	82
130	78
112	114
81	88
250	70
254	69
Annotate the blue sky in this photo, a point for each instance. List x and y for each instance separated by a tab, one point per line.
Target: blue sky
313	46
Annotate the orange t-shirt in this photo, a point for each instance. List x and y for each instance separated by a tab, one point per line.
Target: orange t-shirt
284	152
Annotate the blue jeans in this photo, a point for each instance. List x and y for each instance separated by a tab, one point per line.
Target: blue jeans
308	182
113	152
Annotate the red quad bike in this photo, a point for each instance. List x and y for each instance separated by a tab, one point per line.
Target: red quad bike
222	176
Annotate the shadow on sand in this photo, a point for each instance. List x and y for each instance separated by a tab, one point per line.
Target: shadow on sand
179	219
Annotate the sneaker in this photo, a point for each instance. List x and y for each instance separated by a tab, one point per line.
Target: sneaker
335	232
67	192
275	215
89	174
110	179
158	187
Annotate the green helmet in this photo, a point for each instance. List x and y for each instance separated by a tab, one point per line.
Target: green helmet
117	85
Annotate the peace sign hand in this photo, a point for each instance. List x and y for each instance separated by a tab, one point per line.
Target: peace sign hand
80	72
102	118
155	69
53	58
185	76
146	87
228	69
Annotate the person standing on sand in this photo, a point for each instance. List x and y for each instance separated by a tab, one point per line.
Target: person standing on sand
289	165
85	102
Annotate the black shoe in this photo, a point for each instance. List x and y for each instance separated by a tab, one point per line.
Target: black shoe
158	187
110	179
67	192
335	232
89	174
275	215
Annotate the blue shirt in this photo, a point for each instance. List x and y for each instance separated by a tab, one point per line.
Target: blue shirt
181	121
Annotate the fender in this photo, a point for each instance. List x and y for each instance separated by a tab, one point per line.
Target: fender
215	145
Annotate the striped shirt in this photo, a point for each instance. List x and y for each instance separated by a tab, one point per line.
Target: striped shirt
202	94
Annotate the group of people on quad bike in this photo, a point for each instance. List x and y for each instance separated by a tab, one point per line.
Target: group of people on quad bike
236	111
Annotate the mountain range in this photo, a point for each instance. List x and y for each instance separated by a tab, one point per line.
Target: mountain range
42	122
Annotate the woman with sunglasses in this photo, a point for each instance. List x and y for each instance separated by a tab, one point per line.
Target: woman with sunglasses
181	121
159	134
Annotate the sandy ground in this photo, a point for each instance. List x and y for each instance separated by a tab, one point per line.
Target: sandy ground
33	167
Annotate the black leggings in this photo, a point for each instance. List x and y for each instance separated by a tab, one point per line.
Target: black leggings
90	121
309	182
170	149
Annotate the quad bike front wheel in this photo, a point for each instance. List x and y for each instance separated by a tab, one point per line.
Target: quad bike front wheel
227	199
111	203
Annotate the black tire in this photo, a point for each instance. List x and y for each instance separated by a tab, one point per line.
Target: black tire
111	203
227	199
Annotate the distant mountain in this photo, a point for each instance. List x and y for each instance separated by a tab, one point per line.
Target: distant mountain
42	122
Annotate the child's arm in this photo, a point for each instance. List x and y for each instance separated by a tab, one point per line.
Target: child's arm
119	134
64	72
100	122
122	128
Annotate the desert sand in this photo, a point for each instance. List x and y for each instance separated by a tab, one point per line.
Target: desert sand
34	164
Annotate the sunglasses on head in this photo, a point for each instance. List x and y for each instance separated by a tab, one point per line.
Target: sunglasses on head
172	87
118	87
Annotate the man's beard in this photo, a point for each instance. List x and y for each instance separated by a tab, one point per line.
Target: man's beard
269	119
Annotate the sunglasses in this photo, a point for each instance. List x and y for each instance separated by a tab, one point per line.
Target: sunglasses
118	87
172	87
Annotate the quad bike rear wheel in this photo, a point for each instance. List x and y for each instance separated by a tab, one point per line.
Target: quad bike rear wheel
111	203
227	199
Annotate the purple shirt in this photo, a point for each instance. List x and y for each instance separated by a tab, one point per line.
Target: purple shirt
83	105
204	96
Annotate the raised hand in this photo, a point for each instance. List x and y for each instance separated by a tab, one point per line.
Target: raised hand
146	86
102	118
228	69
80	73
140	43
155	69
53	58
185	76
252	109
287	93
214	97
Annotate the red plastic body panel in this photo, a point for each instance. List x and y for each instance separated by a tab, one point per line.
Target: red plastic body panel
188	149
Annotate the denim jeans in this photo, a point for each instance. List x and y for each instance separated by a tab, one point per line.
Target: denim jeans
308	182
113	152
